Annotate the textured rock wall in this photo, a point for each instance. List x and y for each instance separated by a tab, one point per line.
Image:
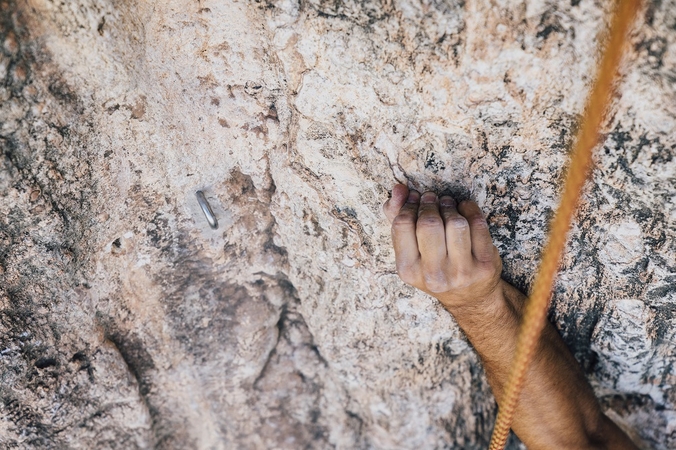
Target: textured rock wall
126	322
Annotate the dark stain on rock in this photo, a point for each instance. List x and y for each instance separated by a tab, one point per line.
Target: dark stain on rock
192	292
272	113
37	433
161	234
100	26
113	108
45	243
348	216
363	12
549	24
84	363
45	362
62	92
294	341
663	291
253	87
661	327
136	357
433	163
654	49
316	229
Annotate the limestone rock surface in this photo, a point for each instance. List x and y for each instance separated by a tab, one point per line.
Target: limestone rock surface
127	322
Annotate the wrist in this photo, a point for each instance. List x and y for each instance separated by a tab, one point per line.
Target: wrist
477	314
472	300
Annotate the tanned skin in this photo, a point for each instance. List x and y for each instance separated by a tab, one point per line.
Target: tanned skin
445	249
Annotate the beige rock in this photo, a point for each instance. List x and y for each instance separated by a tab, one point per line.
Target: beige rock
127	322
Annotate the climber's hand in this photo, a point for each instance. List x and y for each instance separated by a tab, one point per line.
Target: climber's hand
443	249
448	253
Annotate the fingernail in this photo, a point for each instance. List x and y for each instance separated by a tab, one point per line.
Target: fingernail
447	201
413	197
428	197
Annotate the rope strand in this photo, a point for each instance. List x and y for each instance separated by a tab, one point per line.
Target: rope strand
534	317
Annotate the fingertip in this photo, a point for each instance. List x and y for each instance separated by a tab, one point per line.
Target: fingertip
399	187
447	201
482	243
398	198
469	208
413	196
401	193
428	197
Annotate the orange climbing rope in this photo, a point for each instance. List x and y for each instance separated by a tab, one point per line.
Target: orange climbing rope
538	303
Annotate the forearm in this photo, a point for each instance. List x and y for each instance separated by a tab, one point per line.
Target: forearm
557	407
445	249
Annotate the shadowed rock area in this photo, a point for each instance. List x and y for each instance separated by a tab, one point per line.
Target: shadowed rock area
127	322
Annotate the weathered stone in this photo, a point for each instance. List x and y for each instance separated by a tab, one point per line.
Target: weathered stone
127	322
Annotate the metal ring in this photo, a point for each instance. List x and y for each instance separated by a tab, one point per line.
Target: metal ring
206	209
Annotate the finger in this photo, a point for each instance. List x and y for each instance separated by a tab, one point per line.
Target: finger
458	237
404	239
393	204
430	234
482	244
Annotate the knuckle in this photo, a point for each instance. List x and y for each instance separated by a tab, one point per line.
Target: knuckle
487	254
407	273
430	221
436	281
478	222
461	278
457	222
403	221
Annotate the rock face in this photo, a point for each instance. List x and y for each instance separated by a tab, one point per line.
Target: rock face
126	322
